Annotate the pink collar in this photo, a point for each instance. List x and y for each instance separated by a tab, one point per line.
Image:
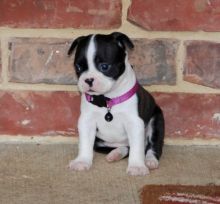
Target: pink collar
103	101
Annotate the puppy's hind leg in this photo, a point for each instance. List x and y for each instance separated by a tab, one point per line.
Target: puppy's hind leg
155	138
117	154
113	153
151	161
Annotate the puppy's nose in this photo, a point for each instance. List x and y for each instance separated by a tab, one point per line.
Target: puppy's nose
89	81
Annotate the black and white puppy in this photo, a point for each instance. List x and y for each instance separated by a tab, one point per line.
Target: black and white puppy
133	124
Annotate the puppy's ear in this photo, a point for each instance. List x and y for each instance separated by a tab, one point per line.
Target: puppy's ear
74	44
123	40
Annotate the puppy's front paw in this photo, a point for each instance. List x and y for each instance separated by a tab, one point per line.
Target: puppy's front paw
137	170
77	165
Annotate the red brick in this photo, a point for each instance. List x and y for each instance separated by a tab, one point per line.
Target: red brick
154	60
176	15
191	115
35	60
202	63
56	113
0	63
61	14
38	113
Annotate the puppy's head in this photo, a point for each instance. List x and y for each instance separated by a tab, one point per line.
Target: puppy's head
99	61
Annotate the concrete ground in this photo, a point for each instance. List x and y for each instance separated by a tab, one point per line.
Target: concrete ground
37	174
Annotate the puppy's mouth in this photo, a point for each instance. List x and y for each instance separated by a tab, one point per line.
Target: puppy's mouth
90	90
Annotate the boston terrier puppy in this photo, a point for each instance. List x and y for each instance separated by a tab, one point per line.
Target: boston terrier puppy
118	116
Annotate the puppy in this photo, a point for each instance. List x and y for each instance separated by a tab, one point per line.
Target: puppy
118	116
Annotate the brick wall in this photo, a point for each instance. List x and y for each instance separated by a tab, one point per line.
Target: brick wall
176	57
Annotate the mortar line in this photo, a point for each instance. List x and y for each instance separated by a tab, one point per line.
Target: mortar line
180	56
125	6
132	30
5	61
59	139
38	87
186	87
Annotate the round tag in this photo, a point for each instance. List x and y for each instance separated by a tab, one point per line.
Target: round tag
108	117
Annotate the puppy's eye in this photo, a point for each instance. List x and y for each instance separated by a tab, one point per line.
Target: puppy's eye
78	68
104	67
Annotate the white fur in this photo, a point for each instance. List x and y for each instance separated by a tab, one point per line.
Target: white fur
126	128
149	130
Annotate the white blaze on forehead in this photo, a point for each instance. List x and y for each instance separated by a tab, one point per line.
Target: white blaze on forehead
91	53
